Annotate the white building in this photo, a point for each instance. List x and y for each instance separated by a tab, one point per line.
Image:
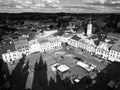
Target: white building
89	28
103	49
34	41
88	45
52	43
74	41
37	47
65	37
114	54
11	56
48	33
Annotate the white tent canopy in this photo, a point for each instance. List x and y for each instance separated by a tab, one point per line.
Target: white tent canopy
85	66
82	64
63	68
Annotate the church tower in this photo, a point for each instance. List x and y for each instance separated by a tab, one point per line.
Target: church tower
89	28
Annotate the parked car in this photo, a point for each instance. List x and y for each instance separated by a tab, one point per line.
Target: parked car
79	59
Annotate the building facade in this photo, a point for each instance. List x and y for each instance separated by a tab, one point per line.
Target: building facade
114	54
11	56
74	41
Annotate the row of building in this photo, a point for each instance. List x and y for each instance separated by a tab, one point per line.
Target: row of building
32	47
107	49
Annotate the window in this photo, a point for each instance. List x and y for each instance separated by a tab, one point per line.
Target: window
105	53
118	53
113	55
111	51
114	52
117	57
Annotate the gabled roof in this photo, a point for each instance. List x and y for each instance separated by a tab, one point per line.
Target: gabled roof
96	42
116	46
75	37
104	45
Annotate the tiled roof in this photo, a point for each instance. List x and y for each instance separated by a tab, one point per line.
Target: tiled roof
76	38
116	46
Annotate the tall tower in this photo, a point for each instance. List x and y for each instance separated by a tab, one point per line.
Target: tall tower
89	28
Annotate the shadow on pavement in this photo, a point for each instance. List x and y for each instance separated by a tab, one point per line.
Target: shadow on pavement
37	78
19	75
105	76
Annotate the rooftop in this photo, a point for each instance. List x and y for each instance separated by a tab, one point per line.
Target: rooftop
7	46
116	46
111	42
93	37
104	45
21	43
63	68
96	42
67	35
75	37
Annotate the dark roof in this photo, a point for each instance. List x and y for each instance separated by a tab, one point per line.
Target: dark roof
116	46
8	46
96	42
93	37
75	37
111	42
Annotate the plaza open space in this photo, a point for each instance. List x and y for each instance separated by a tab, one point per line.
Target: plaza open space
40	64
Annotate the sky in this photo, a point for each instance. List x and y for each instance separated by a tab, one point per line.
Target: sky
53	6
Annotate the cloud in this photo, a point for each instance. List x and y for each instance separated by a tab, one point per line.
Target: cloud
51	1
115	1
31	3
96	1
98	6
17	6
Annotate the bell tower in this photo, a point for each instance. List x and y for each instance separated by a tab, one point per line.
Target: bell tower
89	28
